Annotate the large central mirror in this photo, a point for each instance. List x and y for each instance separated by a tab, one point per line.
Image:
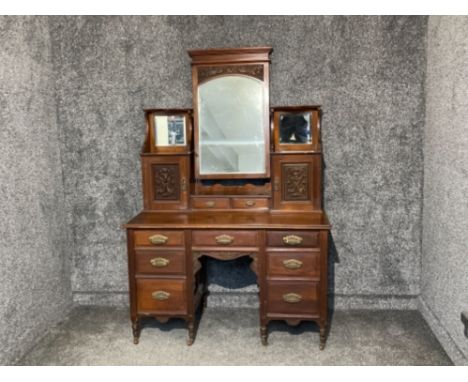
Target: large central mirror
231	120
231	113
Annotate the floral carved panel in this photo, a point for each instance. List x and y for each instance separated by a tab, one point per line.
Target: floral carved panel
207	72
295	181
166	181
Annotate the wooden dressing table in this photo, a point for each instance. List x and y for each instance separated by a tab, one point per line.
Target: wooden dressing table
231	191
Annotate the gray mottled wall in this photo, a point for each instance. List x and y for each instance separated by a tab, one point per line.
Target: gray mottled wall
367	72
35	290
444	291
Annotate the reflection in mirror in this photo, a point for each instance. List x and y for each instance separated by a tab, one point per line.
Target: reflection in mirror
231	126
169	130
294	128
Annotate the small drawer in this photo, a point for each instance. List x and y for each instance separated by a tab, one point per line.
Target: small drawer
225	238
250	203
293	264
161	296
289	297
159	239
210	203
148	261
293	239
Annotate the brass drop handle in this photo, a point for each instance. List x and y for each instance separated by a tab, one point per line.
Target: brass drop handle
292	264
210	203
292	240
160	295
158	239
224	239
159	262
250	203
292	298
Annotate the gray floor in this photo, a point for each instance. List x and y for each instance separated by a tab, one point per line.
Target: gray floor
102	336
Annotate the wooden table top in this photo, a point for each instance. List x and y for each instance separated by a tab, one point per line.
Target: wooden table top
230	220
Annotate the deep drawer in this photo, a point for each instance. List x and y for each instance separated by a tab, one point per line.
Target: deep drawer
291	239
155	238
225	238
293	264
148	261
289	297
161	296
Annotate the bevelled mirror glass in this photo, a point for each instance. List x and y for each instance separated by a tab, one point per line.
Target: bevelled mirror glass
231	122
294	128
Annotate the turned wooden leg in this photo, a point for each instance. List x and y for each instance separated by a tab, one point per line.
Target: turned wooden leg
136	329
191	333
323	336
264	335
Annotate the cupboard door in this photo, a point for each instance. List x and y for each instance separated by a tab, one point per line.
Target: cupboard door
296	182
166	182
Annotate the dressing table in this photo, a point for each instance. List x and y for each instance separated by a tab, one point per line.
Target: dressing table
230	178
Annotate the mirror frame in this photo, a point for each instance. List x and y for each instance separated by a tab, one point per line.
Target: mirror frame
151	147
314	145
210	63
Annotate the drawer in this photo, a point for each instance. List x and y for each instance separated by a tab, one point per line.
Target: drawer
161	296
250	203
293	239
211	203
225	238
289	297
159	238
159	262
293	264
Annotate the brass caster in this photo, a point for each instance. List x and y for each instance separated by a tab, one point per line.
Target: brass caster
136	340
322	346
190	342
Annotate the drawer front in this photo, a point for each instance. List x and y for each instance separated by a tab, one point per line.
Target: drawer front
161	296
293	264
250	203
211	203
225	238
159	239
292	239
166	262
289	297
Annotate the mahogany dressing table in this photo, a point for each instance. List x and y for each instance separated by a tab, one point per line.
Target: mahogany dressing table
249	183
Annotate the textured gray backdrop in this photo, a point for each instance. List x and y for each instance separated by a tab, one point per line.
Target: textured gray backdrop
35	290
72	91
444	291
367	72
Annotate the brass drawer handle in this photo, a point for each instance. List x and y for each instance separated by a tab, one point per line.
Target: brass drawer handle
160	295
159	262
292	264
210	203
158	239
250	203
224	239
292	240
292	298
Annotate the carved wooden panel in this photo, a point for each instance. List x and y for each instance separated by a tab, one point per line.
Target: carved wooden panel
295	181
206	72
166	181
